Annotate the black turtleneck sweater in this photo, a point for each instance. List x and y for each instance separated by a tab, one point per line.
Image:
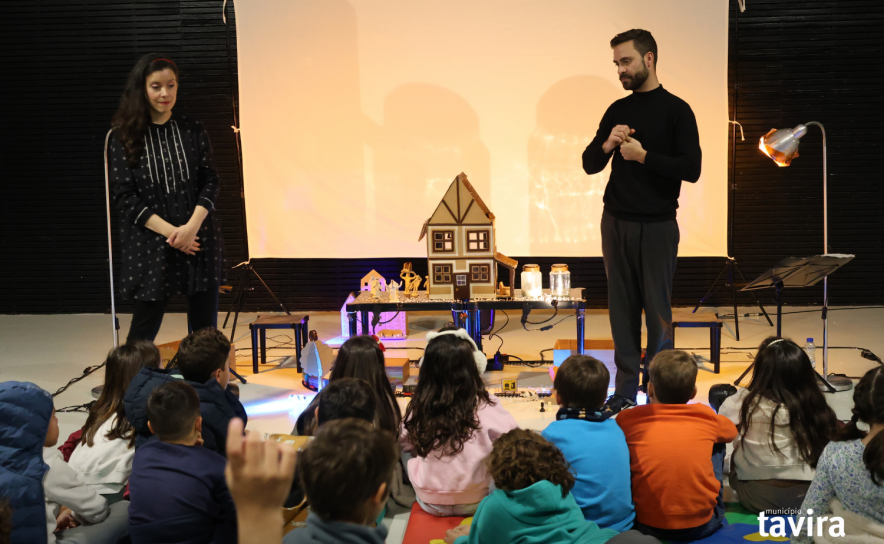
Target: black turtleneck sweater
666	128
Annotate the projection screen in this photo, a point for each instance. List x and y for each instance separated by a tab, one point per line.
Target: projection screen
356	115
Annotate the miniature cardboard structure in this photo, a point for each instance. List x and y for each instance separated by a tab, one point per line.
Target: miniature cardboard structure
391	325
603	350
316	360
461	246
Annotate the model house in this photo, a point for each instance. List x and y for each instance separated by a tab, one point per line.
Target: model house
461	247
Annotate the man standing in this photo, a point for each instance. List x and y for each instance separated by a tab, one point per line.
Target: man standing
653	138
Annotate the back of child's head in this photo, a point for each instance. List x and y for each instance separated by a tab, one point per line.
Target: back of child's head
521	458
868	407
344	466
361	357
172	409
346	398
582	382
674	376
122	364
201	353
782	373
442	411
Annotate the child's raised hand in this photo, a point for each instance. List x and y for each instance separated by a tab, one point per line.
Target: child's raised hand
452	534
259	473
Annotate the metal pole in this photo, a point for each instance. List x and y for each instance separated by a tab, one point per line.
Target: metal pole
825	252
110	249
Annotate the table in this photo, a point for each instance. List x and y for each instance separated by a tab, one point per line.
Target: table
466	313
298	323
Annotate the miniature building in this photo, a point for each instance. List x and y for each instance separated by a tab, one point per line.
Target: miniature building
461	247
365	283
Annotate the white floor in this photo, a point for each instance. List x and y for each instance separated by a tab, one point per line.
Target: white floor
49	350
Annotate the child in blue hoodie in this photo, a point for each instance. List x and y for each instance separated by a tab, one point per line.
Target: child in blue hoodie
532	502
592	443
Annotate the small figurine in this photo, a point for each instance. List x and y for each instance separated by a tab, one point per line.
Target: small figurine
411	279
375	286
393	291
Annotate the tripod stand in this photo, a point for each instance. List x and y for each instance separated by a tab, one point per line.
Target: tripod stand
731	265
239	299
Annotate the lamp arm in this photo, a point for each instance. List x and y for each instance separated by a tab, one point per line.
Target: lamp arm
825	191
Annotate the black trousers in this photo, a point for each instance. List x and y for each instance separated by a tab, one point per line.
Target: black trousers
202	312
639	263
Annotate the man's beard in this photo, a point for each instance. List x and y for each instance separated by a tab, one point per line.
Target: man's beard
636	81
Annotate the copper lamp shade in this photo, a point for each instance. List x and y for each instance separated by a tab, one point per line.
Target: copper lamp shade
782	145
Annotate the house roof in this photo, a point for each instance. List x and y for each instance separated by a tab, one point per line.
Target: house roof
506	261
461	204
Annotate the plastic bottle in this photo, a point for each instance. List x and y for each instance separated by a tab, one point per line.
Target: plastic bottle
810	349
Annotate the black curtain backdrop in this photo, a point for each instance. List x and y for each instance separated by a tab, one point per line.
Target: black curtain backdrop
64	65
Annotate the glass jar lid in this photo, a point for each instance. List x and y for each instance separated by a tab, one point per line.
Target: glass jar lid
531	268
559	268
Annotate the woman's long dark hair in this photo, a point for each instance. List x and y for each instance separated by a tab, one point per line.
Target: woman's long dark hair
123	363
133	116
868	407
361	357
783	374
442	412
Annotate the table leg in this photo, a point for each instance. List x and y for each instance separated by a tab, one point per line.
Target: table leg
298	335
363	315
263	346
305	330
581	330
351	316
715	348
254	351
476	327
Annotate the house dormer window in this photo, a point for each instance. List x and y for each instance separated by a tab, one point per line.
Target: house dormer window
443	241
478	240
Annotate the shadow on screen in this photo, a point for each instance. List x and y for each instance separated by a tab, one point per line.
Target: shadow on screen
566	204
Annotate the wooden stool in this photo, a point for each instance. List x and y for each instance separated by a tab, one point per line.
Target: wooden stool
711	321
298	323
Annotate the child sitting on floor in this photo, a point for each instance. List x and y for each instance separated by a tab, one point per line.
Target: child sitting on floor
676	482
63	509
532	502
203	360
103	458
784	424
346	473
849	480
450	425
177	487
592	443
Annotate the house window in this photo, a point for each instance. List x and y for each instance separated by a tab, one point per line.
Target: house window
477	240
461	280
480	273
441	273
443	241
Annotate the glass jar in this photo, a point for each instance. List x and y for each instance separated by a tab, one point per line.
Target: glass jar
560	281
532	281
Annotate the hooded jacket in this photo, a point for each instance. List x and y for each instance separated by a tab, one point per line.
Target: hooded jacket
217	407
753	455
534	515
317	531
25	411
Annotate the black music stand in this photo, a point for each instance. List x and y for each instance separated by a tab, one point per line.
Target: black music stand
799	272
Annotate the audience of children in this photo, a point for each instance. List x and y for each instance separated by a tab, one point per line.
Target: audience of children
103	457
532	500
784	424
346	473
592	443
849	479
177	489
63	509
203	361
450	426
676	474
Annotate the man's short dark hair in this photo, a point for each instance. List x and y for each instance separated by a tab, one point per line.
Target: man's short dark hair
674	375
171	410
201	353
641	40
582	382
347	397
343	467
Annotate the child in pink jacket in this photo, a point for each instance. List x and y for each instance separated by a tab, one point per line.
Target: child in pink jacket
450	426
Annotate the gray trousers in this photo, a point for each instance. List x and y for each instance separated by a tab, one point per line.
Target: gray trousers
639	263
113	528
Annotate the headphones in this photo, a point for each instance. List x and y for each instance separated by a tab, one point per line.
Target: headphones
478	356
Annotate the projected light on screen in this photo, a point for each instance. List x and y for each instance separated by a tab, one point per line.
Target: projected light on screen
356	115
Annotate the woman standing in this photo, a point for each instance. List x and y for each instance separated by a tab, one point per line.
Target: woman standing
165	186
